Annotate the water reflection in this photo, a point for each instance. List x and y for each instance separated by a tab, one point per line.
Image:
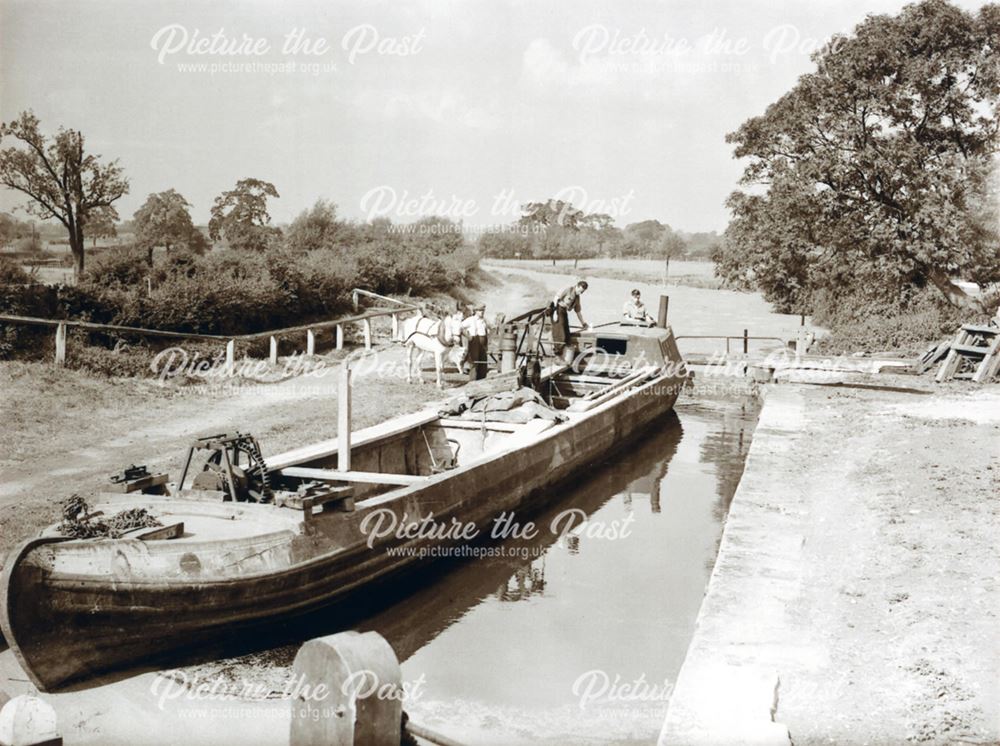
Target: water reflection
445	592
524	583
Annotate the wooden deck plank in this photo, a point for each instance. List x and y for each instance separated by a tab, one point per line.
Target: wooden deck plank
364	477
500	427
326	448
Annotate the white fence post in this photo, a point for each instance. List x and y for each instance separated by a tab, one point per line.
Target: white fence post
230	357
340	337
273	356
367	325
344	418
61	345
310	342
395	326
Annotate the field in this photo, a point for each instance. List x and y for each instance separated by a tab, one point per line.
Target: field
53	265
696	274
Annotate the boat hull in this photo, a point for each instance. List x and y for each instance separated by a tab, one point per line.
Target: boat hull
65	626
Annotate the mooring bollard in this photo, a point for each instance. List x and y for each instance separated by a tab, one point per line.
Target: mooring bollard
273	354
348	692
28	721
61	345
310	342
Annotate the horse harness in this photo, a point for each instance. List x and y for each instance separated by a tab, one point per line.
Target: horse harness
439	334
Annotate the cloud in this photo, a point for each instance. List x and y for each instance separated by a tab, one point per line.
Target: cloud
544	67
446	108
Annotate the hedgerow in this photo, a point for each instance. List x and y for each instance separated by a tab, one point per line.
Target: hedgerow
224	292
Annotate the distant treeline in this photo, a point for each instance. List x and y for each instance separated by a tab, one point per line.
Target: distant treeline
557	230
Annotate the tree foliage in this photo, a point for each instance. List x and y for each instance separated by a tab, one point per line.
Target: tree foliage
240	216
165	220
61	179
871	170
102	224
555	229
12	229
316	228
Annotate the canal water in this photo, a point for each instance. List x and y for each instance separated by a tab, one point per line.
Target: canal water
578	638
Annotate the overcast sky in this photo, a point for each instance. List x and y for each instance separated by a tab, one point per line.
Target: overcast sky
462	108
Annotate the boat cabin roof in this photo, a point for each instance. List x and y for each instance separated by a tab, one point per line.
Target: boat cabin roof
649	345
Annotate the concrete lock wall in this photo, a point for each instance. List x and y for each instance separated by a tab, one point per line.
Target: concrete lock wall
348	692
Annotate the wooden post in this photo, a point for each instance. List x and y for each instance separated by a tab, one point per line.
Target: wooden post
344	419
230	357
662	316
395	326
340	337
367	327
61	345
746	342
273	356
310	342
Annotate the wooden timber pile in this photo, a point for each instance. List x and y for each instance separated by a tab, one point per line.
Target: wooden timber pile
973	355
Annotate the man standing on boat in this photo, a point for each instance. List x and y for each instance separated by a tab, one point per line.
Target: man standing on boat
635	312
566	301
474	327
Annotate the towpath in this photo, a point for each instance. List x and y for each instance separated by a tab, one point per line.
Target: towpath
855	598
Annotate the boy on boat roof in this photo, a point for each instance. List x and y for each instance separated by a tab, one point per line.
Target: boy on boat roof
634	311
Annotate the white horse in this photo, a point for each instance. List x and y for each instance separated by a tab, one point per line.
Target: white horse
437	336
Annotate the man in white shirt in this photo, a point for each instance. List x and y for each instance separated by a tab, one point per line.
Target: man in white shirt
474	327
567	300
634	311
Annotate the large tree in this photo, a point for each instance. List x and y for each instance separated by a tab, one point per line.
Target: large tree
102	224
553	226
240	215
62	180
165	220
316	228
871	169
